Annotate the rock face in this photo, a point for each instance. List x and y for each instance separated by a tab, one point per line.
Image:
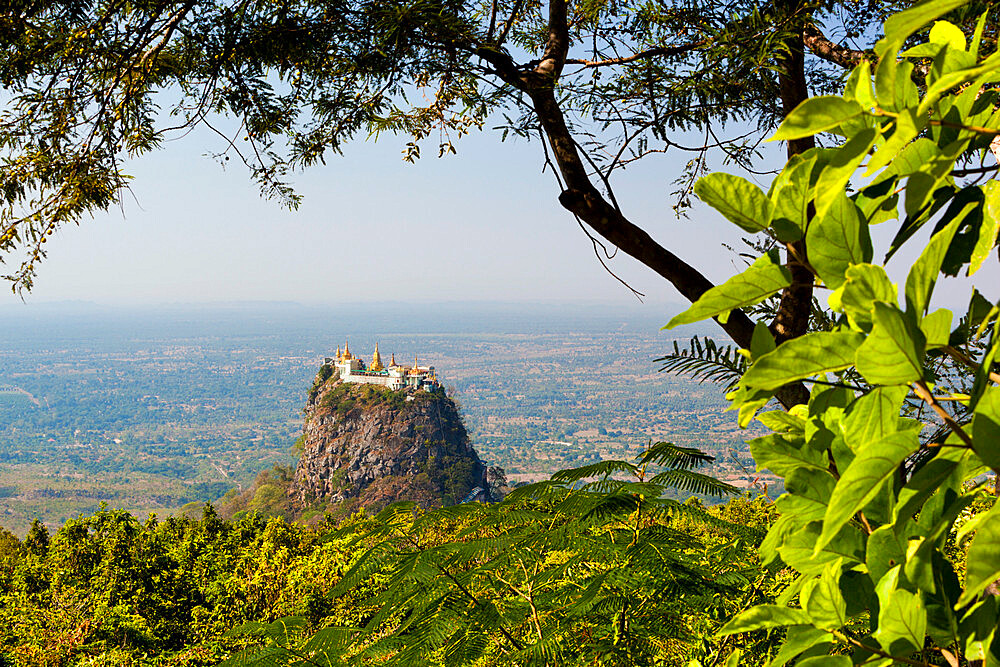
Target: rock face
374	446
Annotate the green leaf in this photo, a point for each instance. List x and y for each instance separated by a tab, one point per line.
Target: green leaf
902	619
922	277
873	416
864	284
894	351
816	114
986	428
907	127
791	194
762	617
936	328
799	548
874	465
823	601
948	34
886	549
825	661
781	421
898	29
859	85
838	168
803	357
989	228
762	341
927	480
902	622
764	278
740	201
838	239
799	638
979	628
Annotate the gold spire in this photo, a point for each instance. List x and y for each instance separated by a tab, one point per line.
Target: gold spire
376	361
392	360
347	352
416	369
339	355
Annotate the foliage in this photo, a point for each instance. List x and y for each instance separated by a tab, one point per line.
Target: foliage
594	566
636	578
346	397
878	521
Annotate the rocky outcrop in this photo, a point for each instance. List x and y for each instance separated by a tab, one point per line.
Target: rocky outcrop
370	446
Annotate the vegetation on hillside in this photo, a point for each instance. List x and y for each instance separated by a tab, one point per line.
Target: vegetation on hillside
110	590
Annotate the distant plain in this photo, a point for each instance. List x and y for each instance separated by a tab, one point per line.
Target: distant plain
153	408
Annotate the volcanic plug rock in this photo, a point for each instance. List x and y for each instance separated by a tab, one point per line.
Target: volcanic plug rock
374	446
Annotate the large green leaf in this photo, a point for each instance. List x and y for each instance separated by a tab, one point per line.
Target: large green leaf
837	240
902	622
765	277
837	166
799	548
863	285
874	465
823	601
791	195
894	351
898	28
799	638
808	492
886	549
873	416
803	357
740	201
762	617
931	476
781	454
816	114
924	273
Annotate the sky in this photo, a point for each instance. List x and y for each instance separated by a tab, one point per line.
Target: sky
482	225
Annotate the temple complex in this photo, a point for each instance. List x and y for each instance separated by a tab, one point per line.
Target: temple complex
391	375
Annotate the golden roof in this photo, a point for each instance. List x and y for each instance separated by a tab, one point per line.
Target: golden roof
376	361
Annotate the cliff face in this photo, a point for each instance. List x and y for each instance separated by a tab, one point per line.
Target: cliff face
378	446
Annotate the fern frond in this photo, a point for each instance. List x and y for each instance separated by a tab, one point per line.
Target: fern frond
267	656
600	469
695	482
706	361
670	455
329	643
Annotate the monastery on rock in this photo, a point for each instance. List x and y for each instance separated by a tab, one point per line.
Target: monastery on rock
393	376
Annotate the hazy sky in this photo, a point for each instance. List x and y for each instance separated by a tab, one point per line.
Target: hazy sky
482	225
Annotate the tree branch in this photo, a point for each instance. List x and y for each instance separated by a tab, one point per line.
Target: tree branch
823	48
642	55
557	46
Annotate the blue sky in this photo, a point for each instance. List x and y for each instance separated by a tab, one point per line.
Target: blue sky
483	225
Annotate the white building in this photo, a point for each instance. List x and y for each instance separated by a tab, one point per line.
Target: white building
393	376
